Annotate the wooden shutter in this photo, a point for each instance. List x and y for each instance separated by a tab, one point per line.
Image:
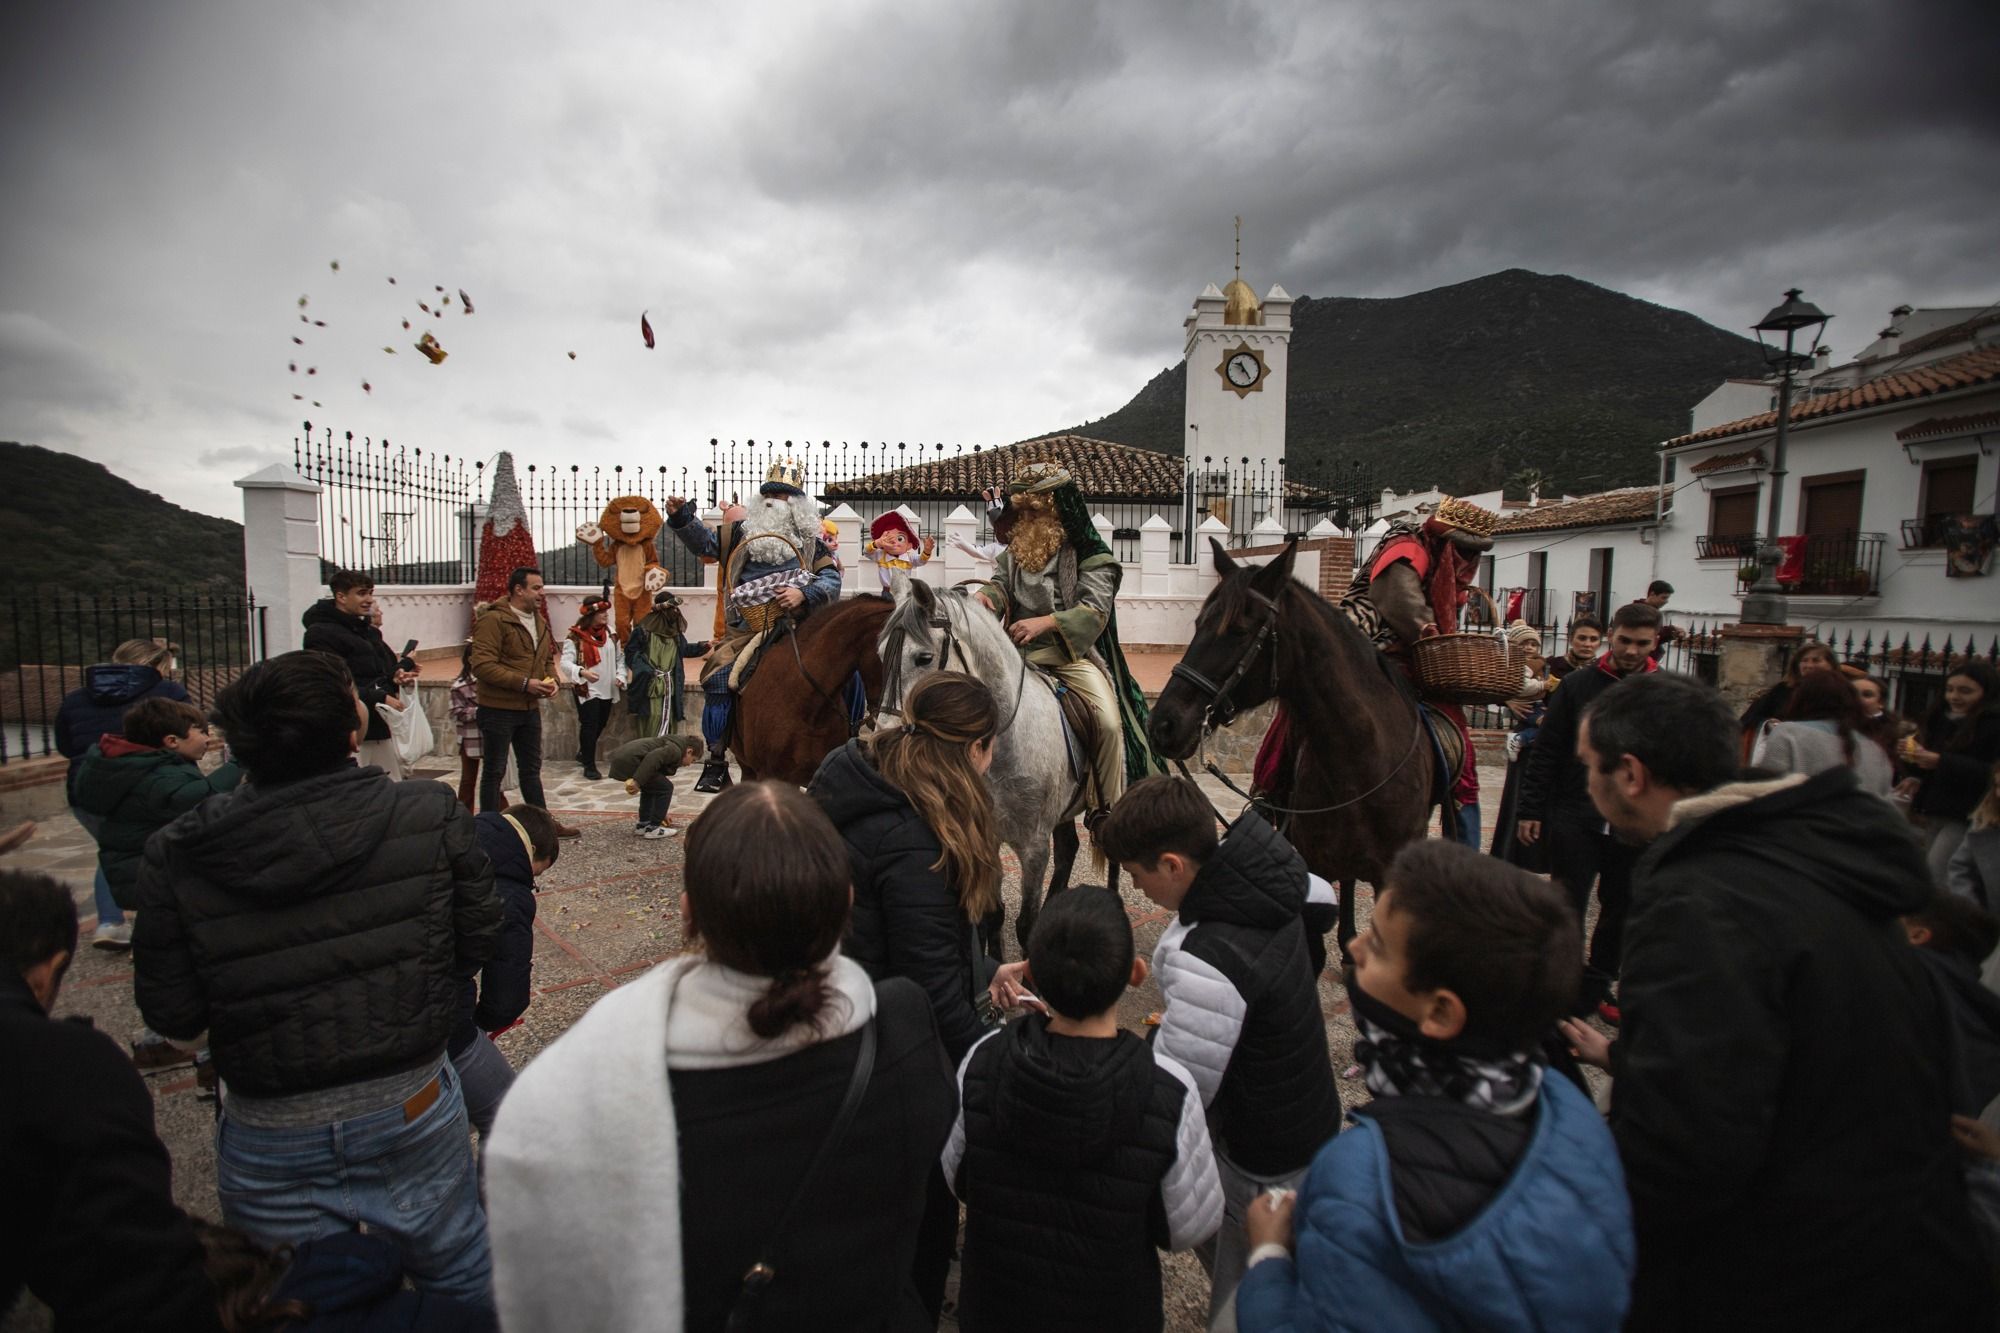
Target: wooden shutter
1948	486
1732	513
1833	505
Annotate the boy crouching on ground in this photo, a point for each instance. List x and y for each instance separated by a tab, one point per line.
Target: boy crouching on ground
1078	1149
1237	968
1474	1191
646	767
522	842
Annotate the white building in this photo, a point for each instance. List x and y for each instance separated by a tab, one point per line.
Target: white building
1238	354
1879	454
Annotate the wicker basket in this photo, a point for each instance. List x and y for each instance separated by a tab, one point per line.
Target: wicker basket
760	616
1477	668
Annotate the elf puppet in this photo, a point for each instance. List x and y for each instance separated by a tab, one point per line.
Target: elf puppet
892	546
622	540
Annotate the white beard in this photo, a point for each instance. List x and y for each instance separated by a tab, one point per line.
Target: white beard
794	517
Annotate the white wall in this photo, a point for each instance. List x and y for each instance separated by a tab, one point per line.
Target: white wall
1233	428
1632	564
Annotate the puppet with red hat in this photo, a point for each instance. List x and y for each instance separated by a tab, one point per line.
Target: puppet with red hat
892	546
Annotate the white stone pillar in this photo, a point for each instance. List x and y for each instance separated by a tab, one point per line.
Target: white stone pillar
1268	532
1155	553
1104	530
852	567
1324	528
1204	553
281	552
713	520
960	525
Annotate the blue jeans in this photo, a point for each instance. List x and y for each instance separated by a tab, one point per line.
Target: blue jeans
109	913
411	1183
484	1076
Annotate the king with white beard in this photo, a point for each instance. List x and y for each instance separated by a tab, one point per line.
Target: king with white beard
779	534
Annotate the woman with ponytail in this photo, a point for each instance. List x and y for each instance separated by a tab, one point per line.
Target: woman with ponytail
673	1137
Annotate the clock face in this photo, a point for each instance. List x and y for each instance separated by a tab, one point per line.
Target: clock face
1243	369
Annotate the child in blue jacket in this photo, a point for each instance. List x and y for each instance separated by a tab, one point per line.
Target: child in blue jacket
522	842
1474	1191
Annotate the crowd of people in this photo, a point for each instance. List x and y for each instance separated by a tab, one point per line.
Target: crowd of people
799	1122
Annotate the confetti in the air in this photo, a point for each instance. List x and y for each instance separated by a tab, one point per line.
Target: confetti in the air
465	300
645	329
430	348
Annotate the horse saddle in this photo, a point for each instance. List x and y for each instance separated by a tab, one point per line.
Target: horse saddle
1447	750
1079	721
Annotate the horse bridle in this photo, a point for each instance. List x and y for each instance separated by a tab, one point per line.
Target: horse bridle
941	621
1221	709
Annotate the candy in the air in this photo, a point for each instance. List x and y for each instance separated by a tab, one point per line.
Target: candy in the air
315	402
293	367
304	320
366	387
300	341
335	266
645	329
319	323
390	350
447	298
406	323
298	398
572	356
302	303
421	306
312	370
436	287
392	282
429	347
465	300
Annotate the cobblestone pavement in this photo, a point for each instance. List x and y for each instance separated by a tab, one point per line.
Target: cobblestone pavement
607	911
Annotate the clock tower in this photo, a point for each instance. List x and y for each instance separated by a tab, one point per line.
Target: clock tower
1238	353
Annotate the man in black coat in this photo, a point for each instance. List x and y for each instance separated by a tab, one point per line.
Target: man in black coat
340	625
90	1223
1555	803
1772	1186
317	923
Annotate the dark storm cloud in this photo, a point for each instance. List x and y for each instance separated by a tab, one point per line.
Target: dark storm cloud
868	220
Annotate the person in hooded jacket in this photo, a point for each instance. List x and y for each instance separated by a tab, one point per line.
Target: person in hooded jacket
1238	969
343	625
522	842
1763	958
317	923
1079	1151
138	669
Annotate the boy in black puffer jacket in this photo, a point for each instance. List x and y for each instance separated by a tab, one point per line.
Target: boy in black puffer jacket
1071	1131
1239	974
522	842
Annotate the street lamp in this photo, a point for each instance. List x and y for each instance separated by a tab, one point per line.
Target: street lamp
1765	604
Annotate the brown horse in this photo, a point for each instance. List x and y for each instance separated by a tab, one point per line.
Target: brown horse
792	711
1362	780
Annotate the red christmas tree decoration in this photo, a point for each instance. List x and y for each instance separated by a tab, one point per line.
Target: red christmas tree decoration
505	541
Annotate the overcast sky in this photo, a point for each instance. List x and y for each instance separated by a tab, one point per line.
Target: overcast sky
967	222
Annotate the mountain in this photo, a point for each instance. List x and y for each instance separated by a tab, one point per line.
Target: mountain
1465	386
69	525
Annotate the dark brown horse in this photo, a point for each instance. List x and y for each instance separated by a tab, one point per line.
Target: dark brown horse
793	712
1362	781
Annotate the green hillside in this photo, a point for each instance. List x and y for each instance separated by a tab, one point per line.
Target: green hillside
1465	386
69	524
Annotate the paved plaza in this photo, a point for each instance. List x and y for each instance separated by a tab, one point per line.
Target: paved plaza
607	911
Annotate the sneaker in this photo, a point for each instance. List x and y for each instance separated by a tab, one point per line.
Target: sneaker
1609	1012
714	775
642	827
654	832
118	937
161	1054
567	831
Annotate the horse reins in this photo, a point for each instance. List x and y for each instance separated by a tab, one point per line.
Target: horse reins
1221	711
942	622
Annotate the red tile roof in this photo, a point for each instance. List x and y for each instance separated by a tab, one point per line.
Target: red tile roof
1933	426
1951	333
1633	504
1105	470
1965	371
1754	457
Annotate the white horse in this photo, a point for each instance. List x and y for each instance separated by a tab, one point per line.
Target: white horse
1036	793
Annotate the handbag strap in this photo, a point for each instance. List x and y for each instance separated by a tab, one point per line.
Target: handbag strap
757	1279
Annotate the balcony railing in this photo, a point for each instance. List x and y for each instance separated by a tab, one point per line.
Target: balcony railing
1848	565
1735	546
1927	532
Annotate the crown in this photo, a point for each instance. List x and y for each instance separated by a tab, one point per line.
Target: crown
787	472
1466	516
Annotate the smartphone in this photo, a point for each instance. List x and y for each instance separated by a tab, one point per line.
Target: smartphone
409	647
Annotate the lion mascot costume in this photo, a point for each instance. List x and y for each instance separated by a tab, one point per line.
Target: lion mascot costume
623	541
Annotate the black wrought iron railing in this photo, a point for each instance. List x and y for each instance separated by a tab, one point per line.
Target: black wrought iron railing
1921	533
1729	546
1847	565
50	637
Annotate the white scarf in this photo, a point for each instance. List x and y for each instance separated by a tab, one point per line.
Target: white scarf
583	1169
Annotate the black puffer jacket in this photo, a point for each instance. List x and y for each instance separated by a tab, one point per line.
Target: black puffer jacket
1067	1141
1554	786
109	688
1243	1010
318	931
907	921
1770	1188
359	644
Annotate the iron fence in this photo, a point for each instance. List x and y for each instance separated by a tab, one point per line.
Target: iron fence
1915	670
400	515
52	636
1847	565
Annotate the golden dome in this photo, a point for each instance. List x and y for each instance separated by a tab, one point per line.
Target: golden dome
1240	304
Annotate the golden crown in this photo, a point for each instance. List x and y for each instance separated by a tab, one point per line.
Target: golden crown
787	472
1466	516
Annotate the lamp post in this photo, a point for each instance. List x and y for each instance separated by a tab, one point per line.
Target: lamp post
1765	603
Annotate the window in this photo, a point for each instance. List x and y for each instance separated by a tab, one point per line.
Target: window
1534	607
1732	524
1950	488
1600	576
1832	504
